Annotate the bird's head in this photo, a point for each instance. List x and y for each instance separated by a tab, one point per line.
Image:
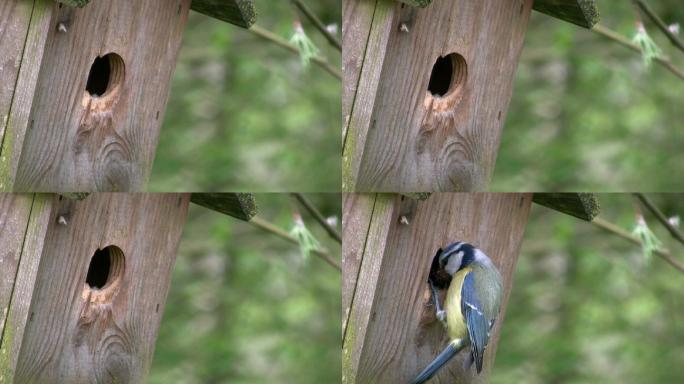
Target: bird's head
457	256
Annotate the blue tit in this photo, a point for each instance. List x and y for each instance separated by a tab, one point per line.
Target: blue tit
471	306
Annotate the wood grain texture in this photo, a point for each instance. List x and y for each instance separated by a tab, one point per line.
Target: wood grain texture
356	216
365	94
239	12
78	142
239	205
584	206
356	24
392	333
18	315
15	17
27	55
77	334
400	137
361	315
14	217
581	12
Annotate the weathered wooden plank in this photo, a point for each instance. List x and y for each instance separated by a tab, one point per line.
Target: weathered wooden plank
19	312
392	333
356	24
14	216
580	12
26	59
239	12
15	17
365	96
100	135
239	205
364	283
357	210
403	137
78	333
581	205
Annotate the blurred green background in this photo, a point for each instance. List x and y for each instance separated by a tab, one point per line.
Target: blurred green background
244	305
586	116
244	114
587	307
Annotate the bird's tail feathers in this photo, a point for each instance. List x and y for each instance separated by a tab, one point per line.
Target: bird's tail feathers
450	351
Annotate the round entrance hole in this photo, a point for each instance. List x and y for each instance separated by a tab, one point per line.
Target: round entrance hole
449	74
106	268
106	75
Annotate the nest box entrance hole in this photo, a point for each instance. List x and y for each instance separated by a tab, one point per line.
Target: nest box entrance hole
449	74
106	75
106	268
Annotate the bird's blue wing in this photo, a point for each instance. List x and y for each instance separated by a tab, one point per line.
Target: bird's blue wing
476	321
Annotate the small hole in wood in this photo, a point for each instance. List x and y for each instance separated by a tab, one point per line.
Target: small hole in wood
106	75
106	268
448	75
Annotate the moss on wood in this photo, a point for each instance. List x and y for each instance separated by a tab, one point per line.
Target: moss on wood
580	12
74	3
417	3
239	205
581	205
238	12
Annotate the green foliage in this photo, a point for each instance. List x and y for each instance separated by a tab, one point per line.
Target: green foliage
649	50
243	308
585	309
649	241
306	239
307	49
585	116
243	113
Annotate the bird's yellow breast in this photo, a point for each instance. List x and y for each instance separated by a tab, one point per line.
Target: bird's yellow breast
456	325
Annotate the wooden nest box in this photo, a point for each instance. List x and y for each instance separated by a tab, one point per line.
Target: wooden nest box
83	283
84	86
427	87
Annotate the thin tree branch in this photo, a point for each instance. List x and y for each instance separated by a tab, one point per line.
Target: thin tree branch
661	217
612	35
272	37
661	24
318	217
271	228
614	229
332	39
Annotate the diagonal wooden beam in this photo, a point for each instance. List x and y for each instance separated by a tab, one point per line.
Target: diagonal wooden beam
239	12
581	205
580	12
239	205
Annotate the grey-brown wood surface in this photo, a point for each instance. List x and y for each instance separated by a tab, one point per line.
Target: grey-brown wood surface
400	137
391	333
14	217
28	218
25	26
581	12
79	142
78	334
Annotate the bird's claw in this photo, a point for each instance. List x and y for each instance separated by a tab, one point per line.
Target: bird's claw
441	316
